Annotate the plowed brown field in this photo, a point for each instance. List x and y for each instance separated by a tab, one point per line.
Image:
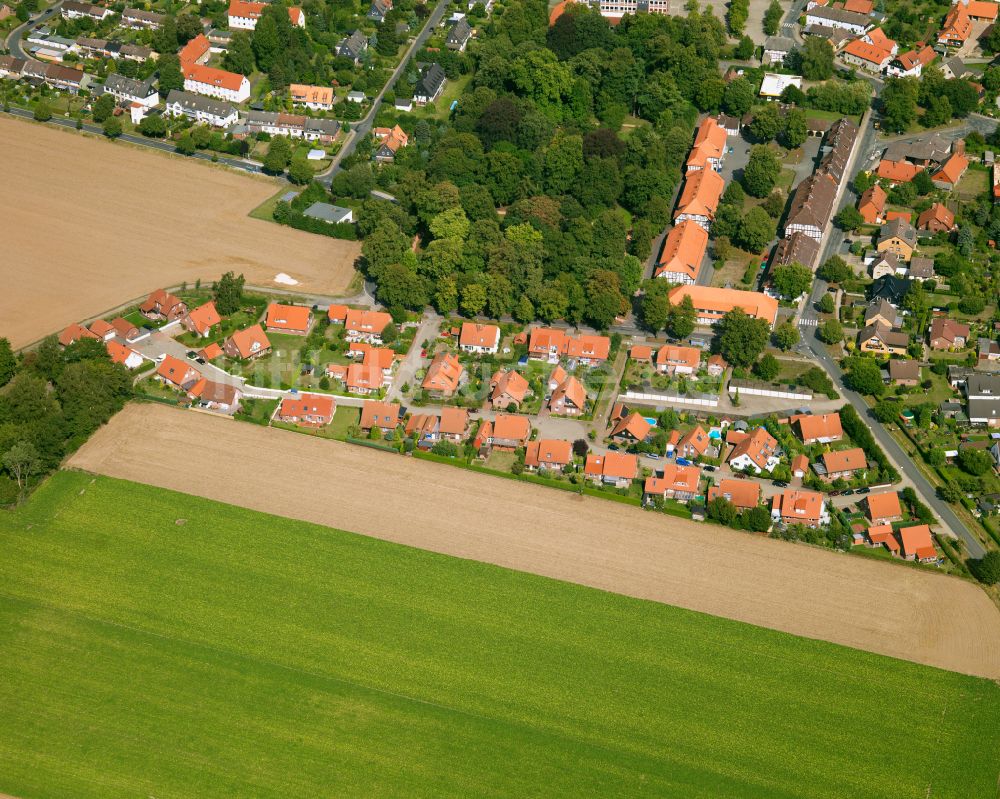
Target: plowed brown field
881	607
88	224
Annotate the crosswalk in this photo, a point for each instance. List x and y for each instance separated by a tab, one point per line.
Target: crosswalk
808	322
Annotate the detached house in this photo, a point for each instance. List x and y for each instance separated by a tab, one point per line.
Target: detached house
319	98
129	90
797	506
307	410
294	319
950	172
352	47
672	482
364	325
911	63
612	468
126	356
898	237
443	375
124	329
177	374
569	398
917	543
479	339
548	453
458	35
74	333
249	343
163	305
430	85
756	451
390	140
508	388
904	373
843	463
818	429
451	425
883	508
881	340
383	415
506	432
937	219
672	359
202	319
217	396
871	204
947	334
743	494
694	444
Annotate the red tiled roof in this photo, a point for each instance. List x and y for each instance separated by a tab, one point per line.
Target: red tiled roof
287	317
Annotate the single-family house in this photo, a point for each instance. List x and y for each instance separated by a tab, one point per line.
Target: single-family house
307	410
904	373
917	543
898	237
886	263
612	468
507	388
800	465
548	453
843	463
378	10
882	313
382	415
755	451
947	334
871	204
950	172
569	398
936	219
161	304
631	429
458	35
352	46
216	396
430	85
693	444
821	428
249	343
202	319
479	339
293	319
673	359
743	494
883	535
921	268
451	425
799	506
444	375
365	325
672	482
883	508
868	56
126	356
73	333
911	63
509	432
103	329
124	329
890	288
881	340
389	141
177	373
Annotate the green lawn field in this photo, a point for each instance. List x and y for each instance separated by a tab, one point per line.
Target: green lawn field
236	654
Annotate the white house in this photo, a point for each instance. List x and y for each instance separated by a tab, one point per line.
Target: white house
773	84
130	90
201	109
219	83
838	18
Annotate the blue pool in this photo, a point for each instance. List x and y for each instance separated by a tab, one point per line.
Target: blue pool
650	419
714	434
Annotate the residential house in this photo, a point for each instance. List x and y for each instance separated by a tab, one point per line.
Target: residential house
983	394
56	76
756	451
177	373
451	425
700	197
911	63
244	15
673	359
672	482
743	494
921	268
201	109
330	214
732	125
882	535
129	90
716	365
508	388
709	149
711	304
981	10
296	126
683	253
196	51
365	325
352	46
843	463
384	416
612	468
548	453
217	83
927	150
883	508
904	373
458	35
774	85
822	428
103	329
897	171
886	263
950	172
947	334
869	57
838	18
161	304
217	396
798	506
550	344
882	313
812	206
641	352
378	10
124	329
988	350
776	49
693	444
871	204
390	140
897	237
569	398
319	98
479	339
307	410
293	319
11	67
954	68
249	343
430	85
74	333
443	375
71	9
880	340
631	429
509	432
797	248
126	356
371	375
917	543
890	288
202	319
957	27
137	19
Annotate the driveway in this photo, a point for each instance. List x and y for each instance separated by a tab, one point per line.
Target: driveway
407	370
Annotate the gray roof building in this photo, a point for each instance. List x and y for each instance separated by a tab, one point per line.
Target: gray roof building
332	214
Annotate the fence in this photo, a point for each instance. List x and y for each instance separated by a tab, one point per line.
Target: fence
704	401
748	388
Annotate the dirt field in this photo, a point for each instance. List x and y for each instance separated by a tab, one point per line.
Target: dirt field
880	607
89	224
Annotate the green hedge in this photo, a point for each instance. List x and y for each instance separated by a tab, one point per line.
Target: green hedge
855	427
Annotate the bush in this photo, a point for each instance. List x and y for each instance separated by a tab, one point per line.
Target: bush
856	428
987	568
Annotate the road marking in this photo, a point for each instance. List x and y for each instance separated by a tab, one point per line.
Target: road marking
809	322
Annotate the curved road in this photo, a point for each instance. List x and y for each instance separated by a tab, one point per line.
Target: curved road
13	42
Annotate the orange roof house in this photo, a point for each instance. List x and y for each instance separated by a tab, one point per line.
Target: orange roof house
675	482
797	506
683	252
124	329
744	494
550	343
844	462
383	415
312	96
546	342
641	352
981	10
202	319
126	356
917	543
548	453
709	147
177	373
711	304
818	428
756	452
897	171
249	343
951	171
74	333
509	431
479	338
103	329
694	444
443	375
700	197
631	428
871	204
196	51
366	325
508	388
390	140
957	26
588	349
161	304
671	359
307	410
904	215
569	398
615	468
295	319
859	6
337	314
869	56
367	377
454	423
883	534
883	508
210	76
937	219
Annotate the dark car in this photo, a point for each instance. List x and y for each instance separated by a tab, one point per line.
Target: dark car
739	475
836	493
779	483
863	491
199	359
847	492
613	447
709	468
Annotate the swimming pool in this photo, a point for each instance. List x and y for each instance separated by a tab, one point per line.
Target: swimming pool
650	419
714	434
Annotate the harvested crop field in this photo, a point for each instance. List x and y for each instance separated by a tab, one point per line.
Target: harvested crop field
89	224
884	608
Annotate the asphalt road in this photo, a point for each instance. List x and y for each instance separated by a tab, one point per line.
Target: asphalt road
15	37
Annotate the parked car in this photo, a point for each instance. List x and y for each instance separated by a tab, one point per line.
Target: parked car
655	456
683	462
709	468
863	491
613	447
779	483
739	475
191	355
847	492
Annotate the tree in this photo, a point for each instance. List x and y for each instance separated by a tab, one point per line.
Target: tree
886	411
300	172
975	461
864	376
755	230
795	131
112	127
104	106
744	49
683	318
849	218
22	461
737	98
228	293
42	112
826	304
767	368
757	520
742	339
772	18
279	153
721	510
987	568
761	171
938	112
655	307
165	36
473	299
835	270
766	124
168	68
830	332
774	204
815	59
8	363
581	448
785	336
185	144
791	280
899	103
239	56
153	126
